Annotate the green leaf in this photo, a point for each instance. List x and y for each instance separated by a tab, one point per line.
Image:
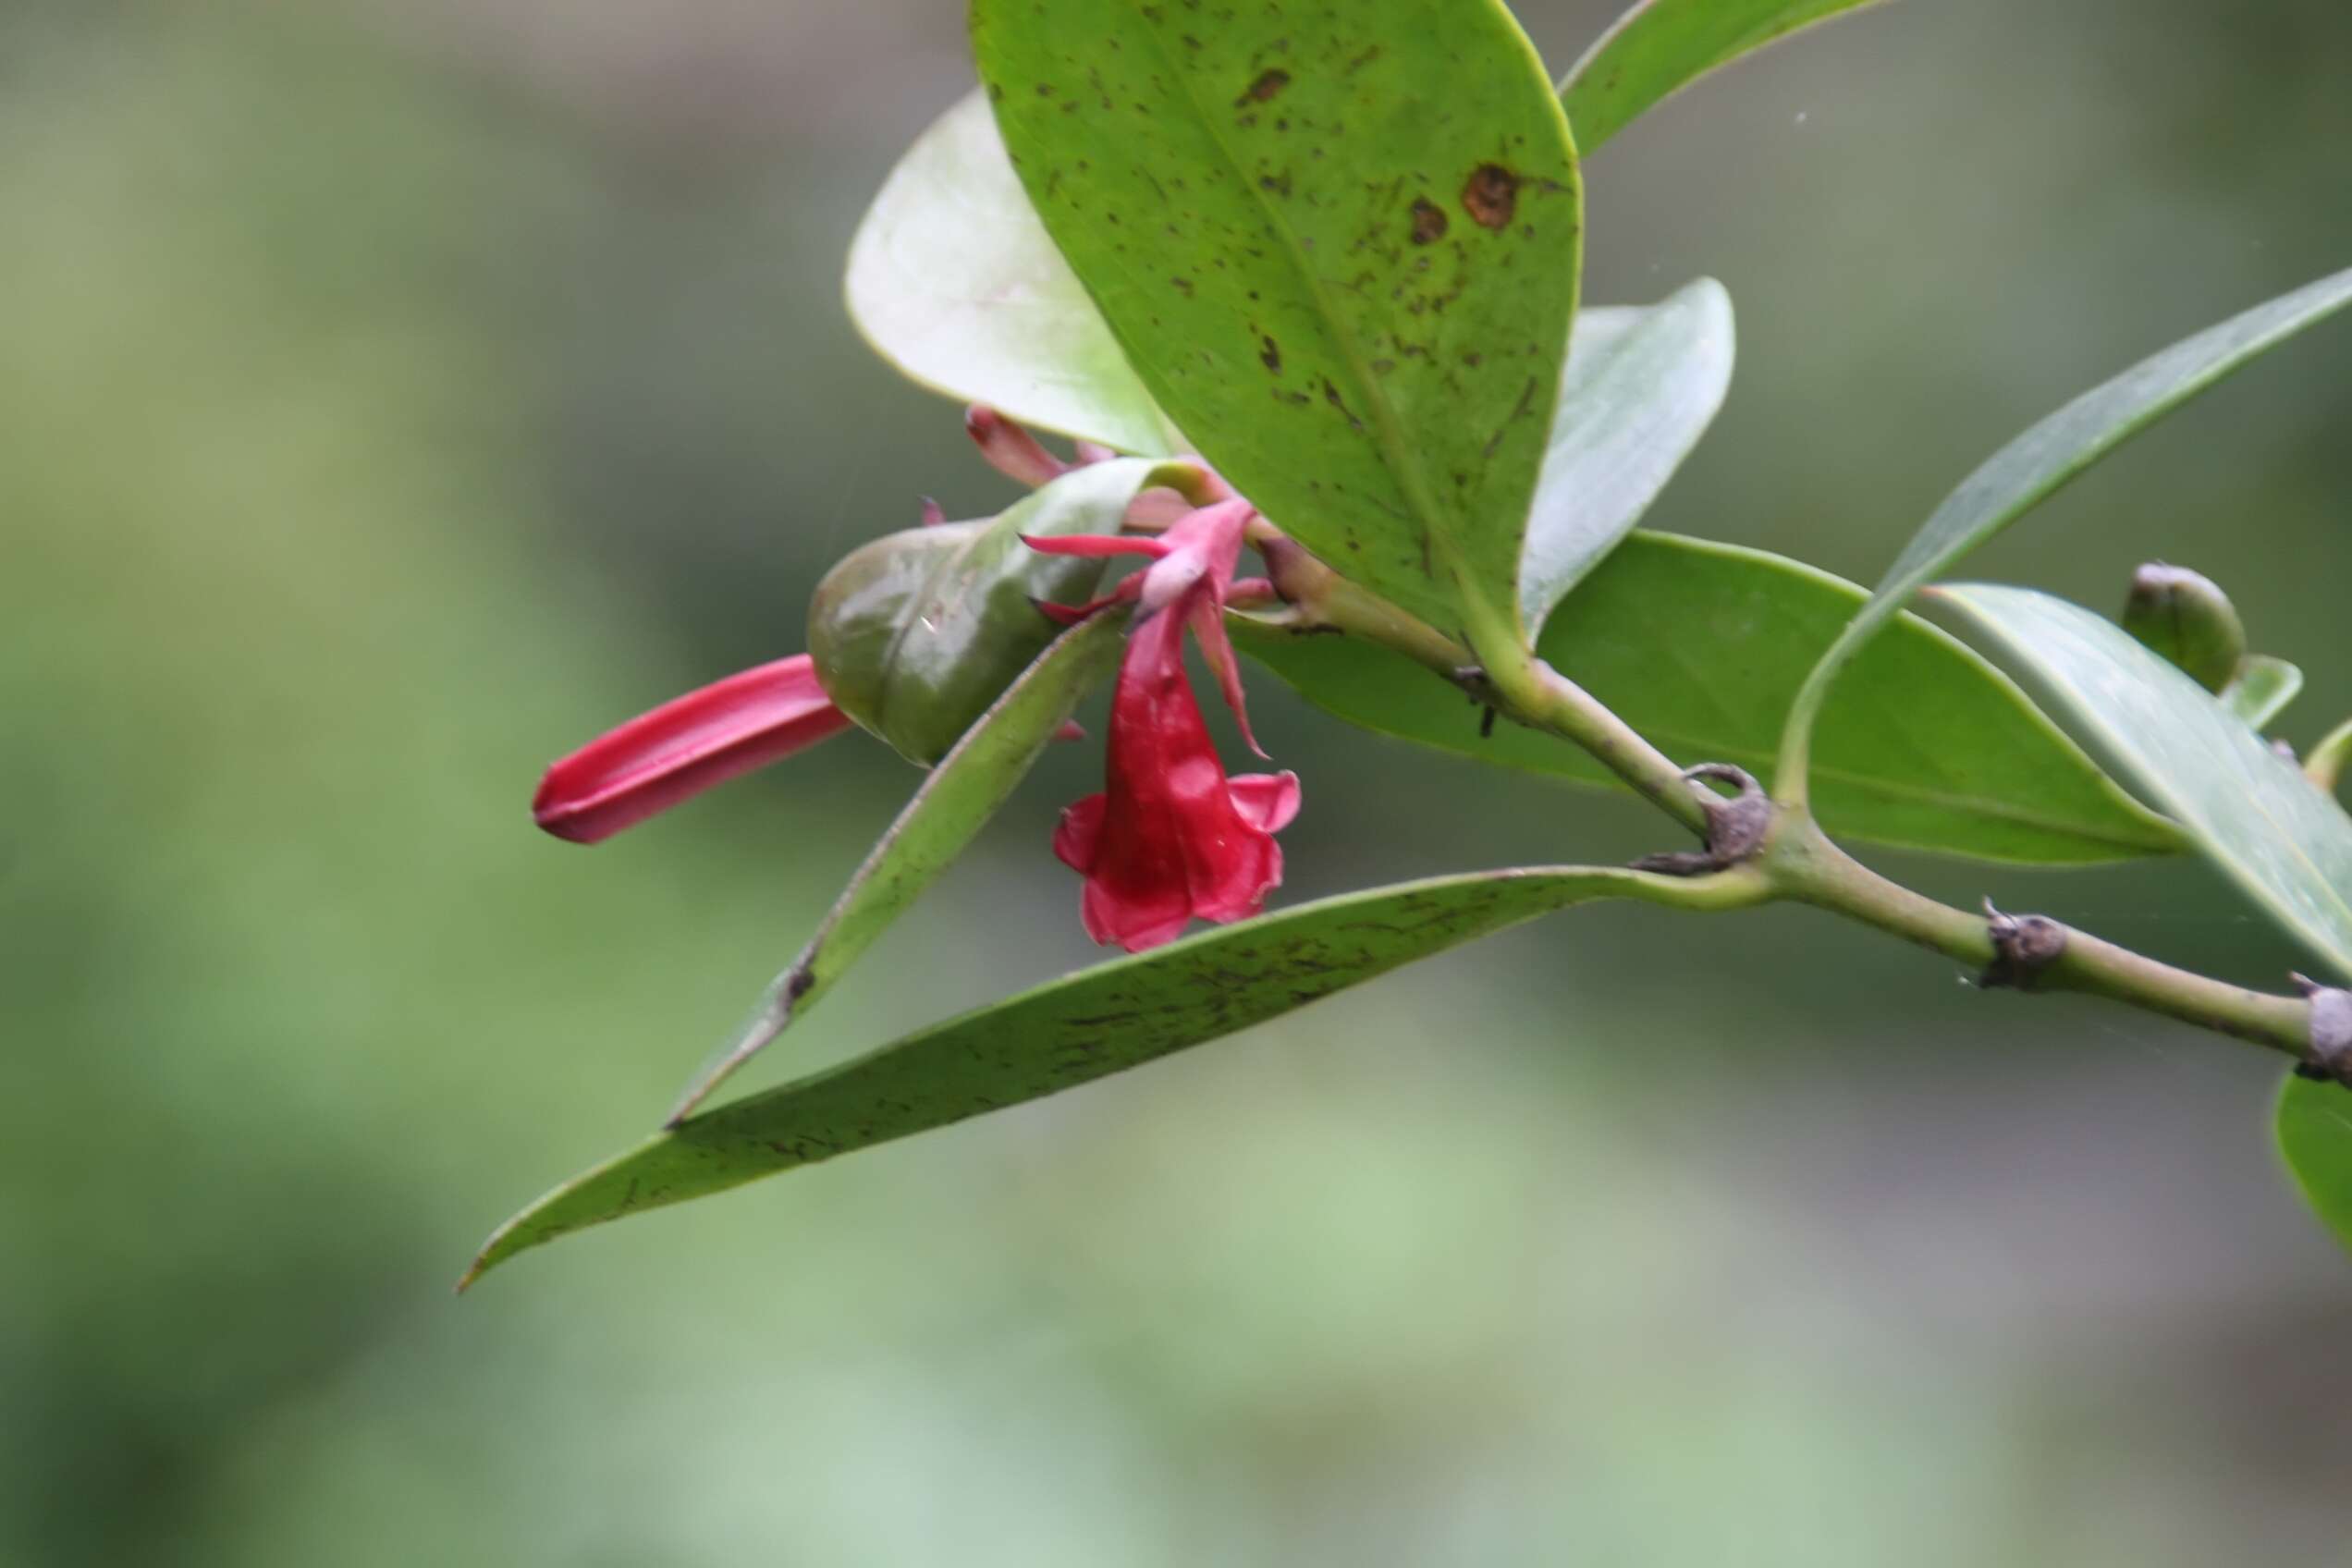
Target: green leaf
2262	689
2246	808
1340	245
2028	469
914	634
2314	1128
938	825
1661	46
1641	387
1699	646
1069	1032
2325	767
953	280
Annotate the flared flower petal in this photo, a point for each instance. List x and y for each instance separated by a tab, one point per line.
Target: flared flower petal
684	747
1191	572
1170	839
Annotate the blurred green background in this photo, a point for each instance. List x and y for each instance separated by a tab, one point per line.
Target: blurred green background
394	393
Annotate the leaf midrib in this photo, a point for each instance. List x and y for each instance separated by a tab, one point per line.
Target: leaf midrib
1395	451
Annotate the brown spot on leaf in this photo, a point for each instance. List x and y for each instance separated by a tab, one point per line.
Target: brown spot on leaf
1271	358
1491	196
1269	85
1331	395
1429	221
1518	412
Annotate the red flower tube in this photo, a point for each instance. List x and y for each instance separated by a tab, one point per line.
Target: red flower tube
1172	838
684	747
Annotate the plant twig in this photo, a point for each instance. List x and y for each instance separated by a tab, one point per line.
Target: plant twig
1796	860
1803	864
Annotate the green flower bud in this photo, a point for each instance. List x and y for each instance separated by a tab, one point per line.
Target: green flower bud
2185	617
917	634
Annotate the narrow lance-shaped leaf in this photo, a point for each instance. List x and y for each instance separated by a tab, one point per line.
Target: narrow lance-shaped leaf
1642	386
915	633
953	280
1700	646
2248	809
1661	46
2028	469
966	789
1069	1032
1340	244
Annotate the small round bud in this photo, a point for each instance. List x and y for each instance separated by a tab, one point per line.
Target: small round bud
914	634
2185	617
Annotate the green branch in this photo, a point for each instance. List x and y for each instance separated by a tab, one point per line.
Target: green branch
1797	862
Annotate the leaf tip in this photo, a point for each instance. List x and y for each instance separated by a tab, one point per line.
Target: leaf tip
492	1255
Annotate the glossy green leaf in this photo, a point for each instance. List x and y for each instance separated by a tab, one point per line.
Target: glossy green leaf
1661	46
914	634
2028	469
2261	689
1641	387
2246	808
938	825
2314	1127
1069	1032
1340	245
953	280
1700	647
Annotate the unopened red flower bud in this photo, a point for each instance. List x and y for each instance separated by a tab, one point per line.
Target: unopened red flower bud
684	747
2186	619
1010	448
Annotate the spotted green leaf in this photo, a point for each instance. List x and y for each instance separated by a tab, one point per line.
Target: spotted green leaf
1661	46
1069	1032
953	280
955	802
1642	386
2037	464
1341	246
1700	647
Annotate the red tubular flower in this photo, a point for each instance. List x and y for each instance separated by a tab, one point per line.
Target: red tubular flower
684	747
1172	839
